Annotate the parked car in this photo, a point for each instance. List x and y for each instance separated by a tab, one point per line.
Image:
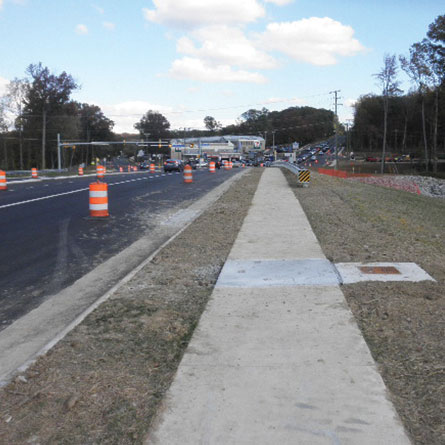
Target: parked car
144	166
172	165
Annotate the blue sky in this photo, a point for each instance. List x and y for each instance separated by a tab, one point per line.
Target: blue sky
193	58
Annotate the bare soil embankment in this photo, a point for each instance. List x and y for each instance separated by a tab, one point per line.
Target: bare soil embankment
403	323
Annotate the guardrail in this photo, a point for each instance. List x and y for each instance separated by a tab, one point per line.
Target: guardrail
290	166
303	174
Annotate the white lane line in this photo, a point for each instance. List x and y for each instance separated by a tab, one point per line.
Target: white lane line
65	193
42	198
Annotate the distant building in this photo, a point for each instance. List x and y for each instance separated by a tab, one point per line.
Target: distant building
226	147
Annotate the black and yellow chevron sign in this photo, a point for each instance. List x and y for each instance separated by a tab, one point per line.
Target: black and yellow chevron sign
304	176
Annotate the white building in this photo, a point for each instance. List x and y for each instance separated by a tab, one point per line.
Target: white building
225	147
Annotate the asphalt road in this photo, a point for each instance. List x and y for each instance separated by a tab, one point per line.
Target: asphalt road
49	241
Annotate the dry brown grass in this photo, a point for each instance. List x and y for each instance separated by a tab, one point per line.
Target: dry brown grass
403	323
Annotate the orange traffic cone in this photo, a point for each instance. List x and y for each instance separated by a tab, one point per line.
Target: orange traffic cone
3	184
99	200
100	172
188	176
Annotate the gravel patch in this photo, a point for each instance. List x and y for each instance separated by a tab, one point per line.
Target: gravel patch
432	187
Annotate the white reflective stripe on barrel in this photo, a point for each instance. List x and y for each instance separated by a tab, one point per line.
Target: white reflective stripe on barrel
94	194
98	206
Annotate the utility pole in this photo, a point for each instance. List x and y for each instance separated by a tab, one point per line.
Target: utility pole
335	93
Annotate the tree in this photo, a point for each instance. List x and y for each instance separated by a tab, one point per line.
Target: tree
94	125
17	91
153	124
418	70
436	50
387	78
212	124
45	98
436	35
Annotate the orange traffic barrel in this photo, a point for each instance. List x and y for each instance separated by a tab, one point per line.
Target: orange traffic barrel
135	169
80	171
99	199
121	169
231	165
226	165
152	168
261	165
188	176
3	184
129	168
34	173
243	165
100	172
212	167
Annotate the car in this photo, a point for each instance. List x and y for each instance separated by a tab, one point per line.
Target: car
372	159
193	163
144	166
313	158
171	165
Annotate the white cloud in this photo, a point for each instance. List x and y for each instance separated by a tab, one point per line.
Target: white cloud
225	45
108	25
196	13
3	84
126	114
196	69
280	100
98	9
192	90
81	29
318	41
350	102
279	2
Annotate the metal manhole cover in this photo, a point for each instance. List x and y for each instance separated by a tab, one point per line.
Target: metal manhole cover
379	270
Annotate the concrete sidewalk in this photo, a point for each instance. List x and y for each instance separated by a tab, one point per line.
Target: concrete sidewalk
277	357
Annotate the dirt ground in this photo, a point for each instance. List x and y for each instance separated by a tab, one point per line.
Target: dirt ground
104	381
403	323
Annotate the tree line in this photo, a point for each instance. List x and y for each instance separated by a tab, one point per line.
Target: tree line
413	122
41	107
